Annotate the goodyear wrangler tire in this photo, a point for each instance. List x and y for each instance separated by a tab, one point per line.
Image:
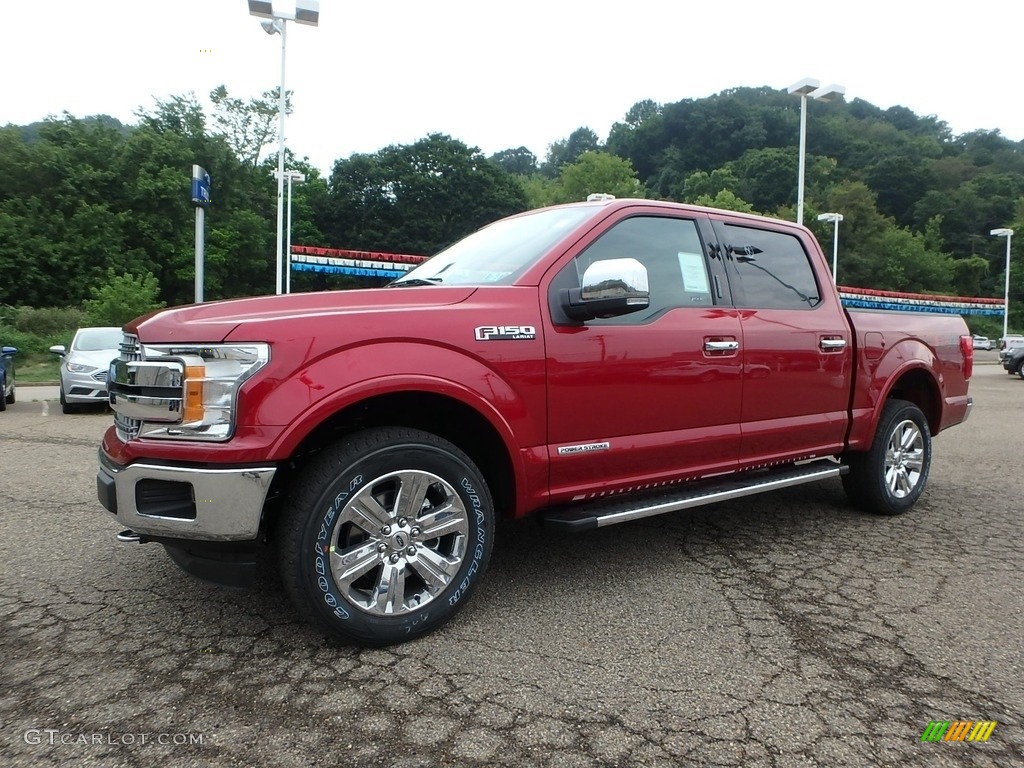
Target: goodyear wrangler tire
385	536
890	477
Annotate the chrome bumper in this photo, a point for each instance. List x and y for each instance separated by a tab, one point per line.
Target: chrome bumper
185	502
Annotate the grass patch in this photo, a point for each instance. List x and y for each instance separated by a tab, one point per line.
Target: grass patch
37	368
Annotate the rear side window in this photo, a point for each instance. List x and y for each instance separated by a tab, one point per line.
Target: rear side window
774	270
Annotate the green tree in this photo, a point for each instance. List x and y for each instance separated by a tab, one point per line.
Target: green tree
415	198
120	298
567	151
519	161
596	172
248	126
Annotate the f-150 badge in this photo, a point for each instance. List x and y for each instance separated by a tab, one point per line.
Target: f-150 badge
505	332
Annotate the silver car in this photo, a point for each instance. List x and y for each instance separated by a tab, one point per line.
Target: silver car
83	367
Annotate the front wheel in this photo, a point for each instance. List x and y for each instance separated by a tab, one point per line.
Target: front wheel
65	406
385	535
890	477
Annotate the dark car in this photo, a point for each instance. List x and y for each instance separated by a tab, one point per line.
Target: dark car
1014	361
7	376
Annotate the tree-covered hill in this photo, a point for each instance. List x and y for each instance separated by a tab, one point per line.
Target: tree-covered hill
79	197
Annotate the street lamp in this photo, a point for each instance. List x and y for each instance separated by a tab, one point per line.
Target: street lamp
1008	234
835	218
804	88
279	14
297	177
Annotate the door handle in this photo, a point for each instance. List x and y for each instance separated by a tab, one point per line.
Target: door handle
829	345
721	346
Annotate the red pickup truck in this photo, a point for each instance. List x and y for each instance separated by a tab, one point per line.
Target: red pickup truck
589	364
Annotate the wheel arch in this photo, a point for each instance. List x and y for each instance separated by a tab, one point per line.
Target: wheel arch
917	386
440	414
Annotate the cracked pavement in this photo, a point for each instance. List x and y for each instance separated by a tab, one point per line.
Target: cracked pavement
781	630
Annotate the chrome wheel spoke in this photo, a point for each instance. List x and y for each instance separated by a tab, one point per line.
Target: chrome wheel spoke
353	562
388	595
365	512
411	494
915	460
445	519
435	569
892	478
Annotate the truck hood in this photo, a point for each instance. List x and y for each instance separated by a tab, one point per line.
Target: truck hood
214	322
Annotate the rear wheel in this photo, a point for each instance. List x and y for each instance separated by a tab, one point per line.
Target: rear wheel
890	477
3	391
385	536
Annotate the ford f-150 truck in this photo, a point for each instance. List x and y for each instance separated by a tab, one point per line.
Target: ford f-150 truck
588	364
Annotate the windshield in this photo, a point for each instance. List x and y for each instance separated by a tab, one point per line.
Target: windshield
94	339
500	252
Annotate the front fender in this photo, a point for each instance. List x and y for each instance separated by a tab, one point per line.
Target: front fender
508	399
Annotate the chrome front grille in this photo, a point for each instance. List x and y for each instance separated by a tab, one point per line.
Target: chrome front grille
100	376
131	351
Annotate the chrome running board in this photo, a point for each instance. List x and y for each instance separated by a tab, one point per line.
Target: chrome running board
622	509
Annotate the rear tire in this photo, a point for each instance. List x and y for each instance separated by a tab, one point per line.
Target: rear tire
5	399
890	477
385	535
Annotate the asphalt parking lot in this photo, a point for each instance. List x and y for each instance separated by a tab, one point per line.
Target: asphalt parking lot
783	630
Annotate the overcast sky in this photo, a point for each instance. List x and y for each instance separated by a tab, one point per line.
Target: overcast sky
498	74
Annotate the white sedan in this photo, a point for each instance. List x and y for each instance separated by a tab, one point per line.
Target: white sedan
83	366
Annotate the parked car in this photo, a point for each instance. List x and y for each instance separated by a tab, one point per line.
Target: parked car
1014	362
83	367
1008	343
7	376
983	342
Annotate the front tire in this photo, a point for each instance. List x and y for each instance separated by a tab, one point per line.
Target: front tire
4	399
890	477
65	406
385	535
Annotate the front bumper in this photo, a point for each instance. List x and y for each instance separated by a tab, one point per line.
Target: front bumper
189	503
84	387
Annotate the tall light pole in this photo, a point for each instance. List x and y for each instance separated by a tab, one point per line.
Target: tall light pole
804	88
835	218
298	177
1008	234
279	14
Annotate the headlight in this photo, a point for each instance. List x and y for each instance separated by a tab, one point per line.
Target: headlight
79	368
182	391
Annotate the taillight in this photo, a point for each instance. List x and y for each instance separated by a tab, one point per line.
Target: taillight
967	349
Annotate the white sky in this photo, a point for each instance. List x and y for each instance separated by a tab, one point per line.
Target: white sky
497	74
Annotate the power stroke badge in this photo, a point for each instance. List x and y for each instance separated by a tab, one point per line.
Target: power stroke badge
505	332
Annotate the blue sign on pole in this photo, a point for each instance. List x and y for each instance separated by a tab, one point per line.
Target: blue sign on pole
200	186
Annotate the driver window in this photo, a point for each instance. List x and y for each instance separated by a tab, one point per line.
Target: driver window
672	253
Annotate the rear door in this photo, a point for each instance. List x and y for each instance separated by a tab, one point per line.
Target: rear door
796	343
651	397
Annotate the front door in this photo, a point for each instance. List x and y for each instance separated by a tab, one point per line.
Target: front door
652	397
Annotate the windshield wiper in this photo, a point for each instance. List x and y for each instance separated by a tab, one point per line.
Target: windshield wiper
415	281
